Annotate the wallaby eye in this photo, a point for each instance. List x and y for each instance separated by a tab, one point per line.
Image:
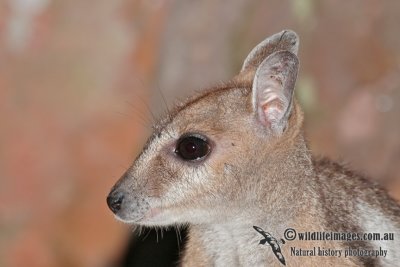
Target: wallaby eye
192	147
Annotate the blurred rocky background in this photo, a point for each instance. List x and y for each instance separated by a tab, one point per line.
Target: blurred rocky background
77	80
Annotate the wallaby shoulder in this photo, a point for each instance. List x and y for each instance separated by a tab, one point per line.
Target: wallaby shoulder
341	188
354	204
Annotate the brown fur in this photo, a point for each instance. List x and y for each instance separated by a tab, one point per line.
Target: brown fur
254	175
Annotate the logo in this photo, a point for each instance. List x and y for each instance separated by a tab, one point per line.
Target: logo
273	243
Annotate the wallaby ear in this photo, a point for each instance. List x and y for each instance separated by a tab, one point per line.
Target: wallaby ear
273	88
284	40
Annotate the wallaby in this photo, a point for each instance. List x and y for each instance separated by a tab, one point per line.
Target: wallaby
232	163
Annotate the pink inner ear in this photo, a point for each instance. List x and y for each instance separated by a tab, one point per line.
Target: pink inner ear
271	101
273	111
273	87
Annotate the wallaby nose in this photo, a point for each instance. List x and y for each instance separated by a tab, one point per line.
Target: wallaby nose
114	201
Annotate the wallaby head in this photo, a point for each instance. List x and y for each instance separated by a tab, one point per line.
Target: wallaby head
233	160
218	154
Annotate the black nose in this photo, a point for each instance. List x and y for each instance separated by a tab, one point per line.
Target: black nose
114	201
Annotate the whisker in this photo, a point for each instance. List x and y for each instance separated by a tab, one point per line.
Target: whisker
141	114
148	233
163	99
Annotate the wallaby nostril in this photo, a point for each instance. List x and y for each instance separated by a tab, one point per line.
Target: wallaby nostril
114	201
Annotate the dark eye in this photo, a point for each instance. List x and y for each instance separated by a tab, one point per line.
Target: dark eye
192	147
